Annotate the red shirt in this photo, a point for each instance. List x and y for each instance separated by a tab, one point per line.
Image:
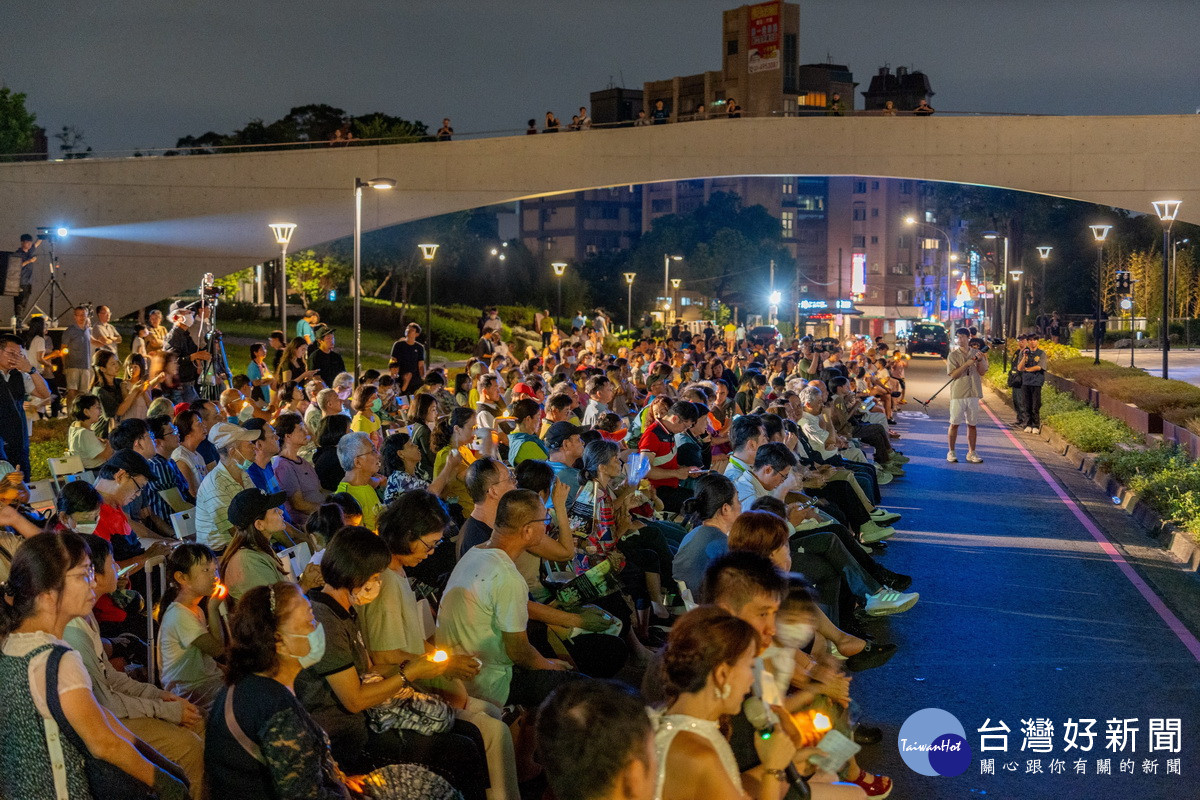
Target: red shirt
661	442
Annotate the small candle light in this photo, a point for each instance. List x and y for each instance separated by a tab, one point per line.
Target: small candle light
821	722
219	591
439	656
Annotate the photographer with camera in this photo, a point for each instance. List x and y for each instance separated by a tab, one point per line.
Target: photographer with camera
180	342
1031	366
965	365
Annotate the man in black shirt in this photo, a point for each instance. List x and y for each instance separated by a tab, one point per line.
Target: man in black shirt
25	251
180	342
409	355
324	360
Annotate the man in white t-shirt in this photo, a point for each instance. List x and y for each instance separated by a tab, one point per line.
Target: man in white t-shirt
485	610
965	365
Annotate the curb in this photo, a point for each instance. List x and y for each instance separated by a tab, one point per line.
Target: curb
1167	535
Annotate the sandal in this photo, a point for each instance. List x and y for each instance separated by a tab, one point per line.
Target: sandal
878	787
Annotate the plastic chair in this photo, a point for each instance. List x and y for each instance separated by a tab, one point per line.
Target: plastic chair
184	525
41	495
159	563
63	471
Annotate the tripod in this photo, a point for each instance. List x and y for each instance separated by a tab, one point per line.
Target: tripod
51	286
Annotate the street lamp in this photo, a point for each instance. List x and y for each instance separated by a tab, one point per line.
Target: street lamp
428	251
283	234
1044	255
675	282
629	276
937	278
1099	233
1167	210
559	268
667	259
359	185
1016	274
775	299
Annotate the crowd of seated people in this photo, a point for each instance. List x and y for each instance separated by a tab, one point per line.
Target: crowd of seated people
703	521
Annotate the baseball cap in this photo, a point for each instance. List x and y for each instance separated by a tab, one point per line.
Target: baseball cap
321	331
131	462
223	434
523	389
249	505
559	432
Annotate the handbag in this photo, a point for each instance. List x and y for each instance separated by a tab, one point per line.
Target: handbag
409	710
1014	380
106	780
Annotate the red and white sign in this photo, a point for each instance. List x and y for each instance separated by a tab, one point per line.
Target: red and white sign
764	21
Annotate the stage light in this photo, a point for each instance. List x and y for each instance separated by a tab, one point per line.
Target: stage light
62	232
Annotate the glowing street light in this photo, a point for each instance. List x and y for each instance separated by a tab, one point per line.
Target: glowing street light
428	251
667	259
283	234
629	276
560	267
1167	211
359	185
1099	233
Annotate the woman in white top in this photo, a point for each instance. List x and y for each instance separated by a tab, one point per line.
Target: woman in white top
82	440
52	582
708	666
192	431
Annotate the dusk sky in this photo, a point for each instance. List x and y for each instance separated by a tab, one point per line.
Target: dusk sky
141	74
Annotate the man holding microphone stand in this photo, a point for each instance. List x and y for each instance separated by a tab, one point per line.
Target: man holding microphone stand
966	366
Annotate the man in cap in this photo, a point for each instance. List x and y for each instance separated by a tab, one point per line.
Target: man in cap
180	342
566	448
230	476
323	359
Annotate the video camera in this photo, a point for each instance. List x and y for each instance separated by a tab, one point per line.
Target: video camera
978	343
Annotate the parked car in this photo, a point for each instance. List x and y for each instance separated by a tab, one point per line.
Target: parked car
764	335
928	337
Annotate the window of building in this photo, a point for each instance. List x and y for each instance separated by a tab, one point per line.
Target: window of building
875	268
787	187
874	186
731	47
874	240
550	242
905	187
787	221
858	241
904	242
901	268
929	217
874	213
859	212
812	99
904	297
660	205
592	250
810	202
860	187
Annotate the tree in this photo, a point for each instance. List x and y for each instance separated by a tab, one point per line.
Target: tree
17	129
313	273
71	141
383	126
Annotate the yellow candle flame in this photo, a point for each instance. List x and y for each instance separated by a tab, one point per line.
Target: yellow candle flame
439	656
821	723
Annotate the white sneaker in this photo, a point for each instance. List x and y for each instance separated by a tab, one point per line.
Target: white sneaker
1028	429
888	601
1037	431
874	532
953	459
973	457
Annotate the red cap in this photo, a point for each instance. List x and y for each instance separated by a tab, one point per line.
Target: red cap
182	407
523	388
614	436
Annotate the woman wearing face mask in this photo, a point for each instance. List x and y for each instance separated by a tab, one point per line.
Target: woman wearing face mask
366	405
296	476
260	742
334	691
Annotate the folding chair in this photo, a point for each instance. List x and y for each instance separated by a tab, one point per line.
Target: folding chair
41	496
295	559
159	563
63	471
184	525
174	499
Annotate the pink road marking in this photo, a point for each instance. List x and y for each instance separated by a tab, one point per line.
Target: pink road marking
1177	627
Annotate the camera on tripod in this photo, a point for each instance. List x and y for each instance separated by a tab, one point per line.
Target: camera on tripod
213	292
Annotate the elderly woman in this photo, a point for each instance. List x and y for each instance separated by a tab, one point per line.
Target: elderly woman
359	458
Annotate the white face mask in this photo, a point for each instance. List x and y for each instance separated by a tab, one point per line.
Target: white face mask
794	634
86	527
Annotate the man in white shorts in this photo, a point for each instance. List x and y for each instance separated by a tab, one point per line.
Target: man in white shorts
965	365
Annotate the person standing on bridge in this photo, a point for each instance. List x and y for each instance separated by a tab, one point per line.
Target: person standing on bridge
923	108
445	132
965	366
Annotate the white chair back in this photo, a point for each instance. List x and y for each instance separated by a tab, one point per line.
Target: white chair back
184	524
63	470
41	495
295	559
153	667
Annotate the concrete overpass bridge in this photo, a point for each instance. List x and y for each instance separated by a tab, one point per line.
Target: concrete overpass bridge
150	227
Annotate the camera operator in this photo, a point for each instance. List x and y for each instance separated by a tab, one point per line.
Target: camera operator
965	365
1031	365
180	342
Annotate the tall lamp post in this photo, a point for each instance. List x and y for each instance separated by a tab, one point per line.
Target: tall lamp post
359	185
560	267
283	234
675	282
1044	255
1004	331
1016	274
937	277
428	251
667	259
1099	233
629	276
1167	210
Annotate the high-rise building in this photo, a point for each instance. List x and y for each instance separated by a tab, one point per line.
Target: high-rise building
905	89
579	225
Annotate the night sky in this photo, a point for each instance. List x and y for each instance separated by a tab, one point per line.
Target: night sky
141	73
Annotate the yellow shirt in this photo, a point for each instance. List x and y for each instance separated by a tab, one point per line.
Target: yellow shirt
364	424
368	498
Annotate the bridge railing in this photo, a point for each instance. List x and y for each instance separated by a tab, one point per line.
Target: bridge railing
195	149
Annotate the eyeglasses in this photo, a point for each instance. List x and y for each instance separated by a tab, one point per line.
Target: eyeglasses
88	573
429	548
543	520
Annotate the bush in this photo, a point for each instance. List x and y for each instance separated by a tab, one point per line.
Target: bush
1130	465
1090	431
